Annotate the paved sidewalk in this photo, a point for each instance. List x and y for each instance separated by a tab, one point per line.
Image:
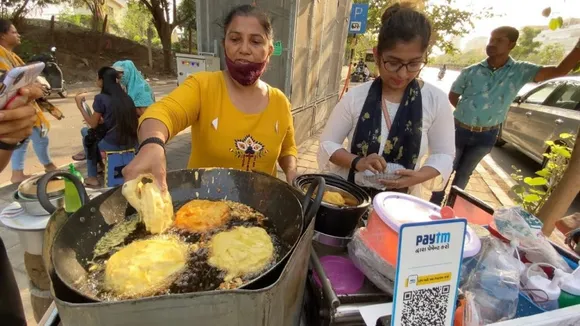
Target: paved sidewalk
178	150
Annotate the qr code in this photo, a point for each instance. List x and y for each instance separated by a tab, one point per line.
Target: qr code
425	307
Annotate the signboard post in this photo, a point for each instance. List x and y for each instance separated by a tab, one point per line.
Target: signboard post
428	268
358	18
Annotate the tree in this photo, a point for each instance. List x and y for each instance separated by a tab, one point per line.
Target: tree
165	19
448	21
97	9
551	54
186	10
136	22
526	44
16	10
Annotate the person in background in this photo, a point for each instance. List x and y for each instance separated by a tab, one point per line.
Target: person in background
482	95
135	85
113	124
236	119
10	39
396	118
17	122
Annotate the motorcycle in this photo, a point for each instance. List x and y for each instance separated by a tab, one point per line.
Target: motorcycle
51	77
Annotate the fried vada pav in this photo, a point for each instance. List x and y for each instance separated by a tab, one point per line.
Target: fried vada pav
146	267
241	251
154	207
201	215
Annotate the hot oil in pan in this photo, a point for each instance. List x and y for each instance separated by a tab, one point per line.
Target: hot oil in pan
198	275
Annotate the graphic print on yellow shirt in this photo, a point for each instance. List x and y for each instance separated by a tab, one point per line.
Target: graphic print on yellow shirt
249	150
222	135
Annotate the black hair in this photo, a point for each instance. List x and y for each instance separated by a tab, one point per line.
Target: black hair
511	33
402	23
5	25
250	11
124	110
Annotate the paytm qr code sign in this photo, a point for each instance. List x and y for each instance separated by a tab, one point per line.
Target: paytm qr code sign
428	269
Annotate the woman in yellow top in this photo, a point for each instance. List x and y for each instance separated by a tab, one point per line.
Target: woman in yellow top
237	120
9	39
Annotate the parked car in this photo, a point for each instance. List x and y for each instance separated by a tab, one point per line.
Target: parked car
542	114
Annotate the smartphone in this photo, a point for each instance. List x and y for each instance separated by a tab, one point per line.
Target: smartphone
17	78
86	107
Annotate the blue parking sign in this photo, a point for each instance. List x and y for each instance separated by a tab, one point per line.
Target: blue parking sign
358	18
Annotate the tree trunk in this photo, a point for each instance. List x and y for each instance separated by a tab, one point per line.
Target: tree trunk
566	191
190	37
150	46
165	36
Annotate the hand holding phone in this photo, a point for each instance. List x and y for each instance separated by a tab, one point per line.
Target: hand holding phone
17	78
17	120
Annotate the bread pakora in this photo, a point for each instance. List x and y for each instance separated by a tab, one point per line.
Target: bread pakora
241	251
145	267
154	207
201	215
334	198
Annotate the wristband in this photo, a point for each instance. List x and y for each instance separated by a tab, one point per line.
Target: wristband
153	140
11	147
355	162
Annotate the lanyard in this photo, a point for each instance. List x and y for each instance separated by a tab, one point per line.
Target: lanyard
386	114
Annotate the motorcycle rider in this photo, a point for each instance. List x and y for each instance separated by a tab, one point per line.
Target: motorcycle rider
442	72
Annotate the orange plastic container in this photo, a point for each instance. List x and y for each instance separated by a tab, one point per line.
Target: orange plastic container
390	211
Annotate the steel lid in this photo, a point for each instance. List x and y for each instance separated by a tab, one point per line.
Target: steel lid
29	188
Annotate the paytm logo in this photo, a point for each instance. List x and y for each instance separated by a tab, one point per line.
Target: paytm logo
433	239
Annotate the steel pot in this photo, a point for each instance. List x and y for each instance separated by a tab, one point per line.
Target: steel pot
28	189
334	220
33	206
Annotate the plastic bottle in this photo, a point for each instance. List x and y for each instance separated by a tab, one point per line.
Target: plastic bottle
72	199
543	291
570	285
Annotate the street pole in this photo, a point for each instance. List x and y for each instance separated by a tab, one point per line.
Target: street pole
351	56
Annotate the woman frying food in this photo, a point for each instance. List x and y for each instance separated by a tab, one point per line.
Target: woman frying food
237	120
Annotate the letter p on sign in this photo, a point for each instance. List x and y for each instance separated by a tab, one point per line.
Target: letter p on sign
358	18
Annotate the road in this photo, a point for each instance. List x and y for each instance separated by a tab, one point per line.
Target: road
65	137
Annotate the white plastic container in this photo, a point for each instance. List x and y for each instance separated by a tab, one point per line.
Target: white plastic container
543	291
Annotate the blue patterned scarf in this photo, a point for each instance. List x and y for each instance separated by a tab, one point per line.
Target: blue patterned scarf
404	139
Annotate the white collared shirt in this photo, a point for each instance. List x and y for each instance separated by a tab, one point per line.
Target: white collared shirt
437	141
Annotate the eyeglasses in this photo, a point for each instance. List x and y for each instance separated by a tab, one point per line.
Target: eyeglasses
395	66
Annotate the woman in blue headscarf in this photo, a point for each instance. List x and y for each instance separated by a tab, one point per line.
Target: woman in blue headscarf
136	86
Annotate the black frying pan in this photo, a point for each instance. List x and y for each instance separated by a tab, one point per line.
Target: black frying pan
73	244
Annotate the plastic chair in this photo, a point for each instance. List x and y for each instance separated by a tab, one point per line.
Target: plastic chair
115	161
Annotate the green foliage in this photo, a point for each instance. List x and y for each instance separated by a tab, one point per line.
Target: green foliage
461	58
186	14
526	44
532	192
550	54
448	21
135	23
67	16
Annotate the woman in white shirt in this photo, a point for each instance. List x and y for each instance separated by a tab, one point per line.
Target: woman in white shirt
396	118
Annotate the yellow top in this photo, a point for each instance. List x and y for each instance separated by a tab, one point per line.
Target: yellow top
9	60
222	135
